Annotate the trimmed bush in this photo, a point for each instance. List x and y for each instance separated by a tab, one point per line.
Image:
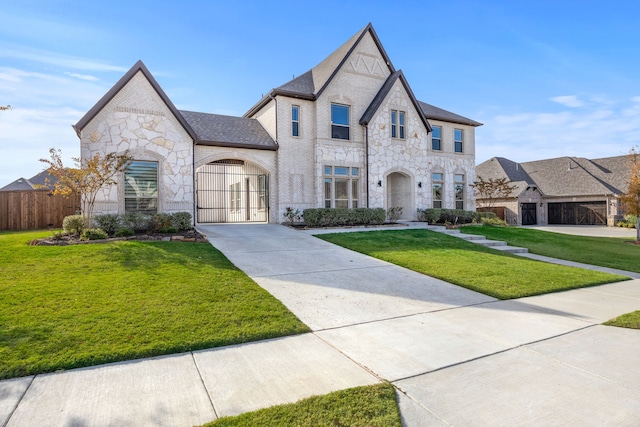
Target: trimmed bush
329	217
182	220
493	221
138	222
452	216
108	222
93	234
394	213
73	224
124	232
168	230
159	221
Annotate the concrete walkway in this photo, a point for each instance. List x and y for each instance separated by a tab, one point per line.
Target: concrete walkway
455	356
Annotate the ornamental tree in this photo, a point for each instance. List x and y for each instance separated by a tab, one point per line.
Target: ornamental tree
87	178
631	198
492	190
5	107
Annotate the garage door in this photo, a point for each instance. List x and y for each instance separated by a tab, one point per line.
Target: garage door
232	191
576	213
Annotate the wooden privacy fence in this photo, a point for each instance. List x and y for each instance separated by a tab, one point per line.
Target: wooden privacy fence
498	210
35	209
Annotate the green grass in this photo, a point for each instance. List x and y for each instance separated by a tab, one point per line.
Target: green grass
82	305
603	251
472	266
362	406
629	320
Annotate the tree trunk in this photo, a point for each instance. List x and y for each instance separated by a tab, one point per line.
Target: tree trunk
638	229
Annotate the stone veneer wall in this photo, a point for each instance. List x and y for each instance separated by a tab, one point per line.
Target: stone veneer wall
137	120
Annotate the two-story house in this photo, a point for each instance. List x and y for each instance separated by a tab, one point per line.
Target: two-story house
347	133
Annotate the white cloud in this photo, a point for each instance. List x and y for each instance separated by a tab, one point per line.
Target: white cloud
54	58
599	129
568	101
86	77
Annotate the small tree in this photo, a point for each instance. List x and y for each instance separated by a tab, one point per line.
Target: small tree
631	198
5	107
88	178
492	189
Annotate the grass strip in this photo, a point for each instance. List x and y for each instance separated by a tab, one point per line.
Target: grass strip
368	406
612	252
65	307
629	320
470	265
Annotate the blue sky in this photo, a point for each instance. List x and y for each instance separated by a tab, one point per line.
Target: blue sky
547	78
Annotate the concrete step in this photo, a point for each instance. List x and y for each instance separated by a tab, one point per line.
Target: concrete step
511	249
492	243
470	236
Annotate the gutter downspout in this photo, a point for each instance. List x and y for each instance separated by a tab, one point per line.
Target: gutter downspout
277	171
366	161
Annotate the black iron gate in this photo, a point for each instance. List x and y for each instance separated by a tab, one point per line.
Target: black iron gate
232	191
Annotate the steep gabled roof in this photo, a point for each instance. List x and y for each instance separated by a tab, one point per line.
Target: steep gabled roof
563	176
137	67
228	131
436	113
382	94
311	84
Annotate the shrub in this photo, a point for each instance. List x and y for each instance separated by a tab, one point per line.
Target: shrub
108	222
73	224
182	220
138	222
324	217
291	215
93	234
168	230
452	216
394	213
159	221
124	232
493	221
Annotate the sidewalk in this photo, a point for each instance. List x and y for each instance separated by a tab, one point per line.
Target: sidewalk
455	356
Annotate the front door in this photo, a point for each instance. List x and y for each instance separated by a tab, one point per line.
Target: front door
529	214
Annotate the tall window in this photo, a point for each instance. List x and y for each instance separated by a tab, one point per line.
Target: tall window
459	190
235	196
262	192
397	124
341	188
436	138
339	121
141	187
457	140
295	120
436	185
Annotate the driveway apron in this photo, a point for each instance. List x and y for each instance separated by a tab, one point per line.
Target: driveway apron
454	355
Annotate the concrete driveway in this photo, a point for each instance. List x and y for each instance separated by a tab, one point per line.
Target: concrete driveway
456	356
587	230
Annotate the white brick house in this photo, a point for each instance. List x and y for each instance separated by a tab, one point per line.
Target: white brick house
348	133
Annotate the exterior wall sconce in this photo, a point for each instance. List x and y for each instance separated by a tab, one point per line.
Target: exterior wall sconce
540	204
379	183
420	185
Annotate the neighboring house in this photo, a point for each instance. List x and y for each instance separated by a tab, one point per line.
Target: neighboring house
564	190
348	133
43	180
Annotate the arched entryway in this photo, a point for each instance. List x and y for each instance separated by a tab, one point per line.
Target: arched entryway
399	193
232	190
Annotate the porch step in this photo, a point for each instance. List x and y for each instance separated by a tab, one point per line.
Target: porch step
482	240
511	249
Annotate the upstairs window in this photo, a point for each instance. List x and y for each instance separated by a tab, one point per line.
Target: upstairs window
459	190
397	124
340	121
295	120
141	187
436	187
436	138
457	140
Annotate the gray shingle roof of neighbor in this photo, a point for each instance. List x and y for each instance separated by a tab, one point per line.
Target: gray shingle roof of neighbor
20	184
228	131
36	182
563	176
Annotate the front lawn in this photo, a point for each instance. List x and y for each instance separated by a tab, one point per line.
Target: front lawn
82	305
629	320
603	251
466	264
362	406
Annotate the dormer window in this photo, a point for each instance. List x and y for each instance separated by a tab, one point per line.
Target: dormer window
397	124
340	121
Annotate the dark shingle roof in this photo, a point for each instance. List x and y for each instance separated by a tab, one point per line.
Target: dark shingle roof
228	131
301	85
436	113
563	176
36	182
20	184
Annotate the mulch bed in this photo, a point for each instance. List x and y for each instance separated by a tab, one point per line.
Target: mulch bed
181	236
